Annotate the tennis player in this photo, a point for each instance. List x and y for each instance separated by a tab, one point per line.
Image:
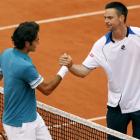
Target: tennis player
118	52
20	118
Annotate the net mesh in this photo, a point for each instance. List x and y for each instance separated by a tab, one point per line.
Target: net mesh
66	126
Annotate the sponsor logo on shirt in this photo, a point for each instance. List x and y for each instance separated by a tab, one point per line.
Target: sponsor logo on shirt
91	55
123	47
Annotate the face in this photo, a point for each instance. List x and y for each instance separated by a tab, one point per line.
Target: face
32	47
112	19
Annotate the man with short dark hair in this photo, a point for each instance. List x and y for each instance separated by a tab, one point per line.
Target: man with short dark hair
20	118
118	53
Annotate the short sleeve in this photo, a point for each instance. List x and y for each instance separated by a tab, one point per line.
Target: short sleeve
96	57
32	77
90	61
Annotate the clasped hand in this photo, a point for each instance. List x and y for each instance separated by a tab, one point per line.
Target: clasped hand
65	60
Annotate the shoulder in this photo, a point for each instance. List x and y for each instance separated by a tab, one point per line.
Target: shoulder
102	41
6	51
24	66
5	54
134	30
24	70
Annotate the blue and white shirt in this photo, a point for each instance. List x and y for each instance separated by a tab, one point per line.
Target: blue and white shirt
20	80
120	60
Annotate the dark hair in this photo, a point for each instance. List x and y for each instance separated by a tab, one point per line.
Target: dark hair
121	8
26	31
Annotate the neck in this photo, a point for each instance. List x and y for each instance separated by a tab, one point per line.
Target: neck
119	33
23	50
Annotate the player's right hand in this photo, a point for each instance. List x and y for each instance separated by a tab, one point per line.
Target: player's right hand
65	60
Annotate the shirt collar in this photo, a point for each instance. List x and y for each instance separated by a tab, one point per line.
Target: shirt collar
128	28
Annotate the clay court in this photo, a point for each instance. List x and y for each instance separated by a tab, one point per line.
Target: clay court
70	26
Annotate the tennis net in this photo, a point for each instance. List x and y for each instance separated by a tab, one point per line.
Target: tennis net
66	126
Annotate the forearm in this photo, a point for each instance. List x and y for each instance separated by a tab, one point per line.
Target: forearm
47	87
54	83
79	70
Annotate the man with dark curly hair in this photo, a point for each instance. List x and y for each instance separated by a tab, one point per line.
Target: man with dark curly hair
20	118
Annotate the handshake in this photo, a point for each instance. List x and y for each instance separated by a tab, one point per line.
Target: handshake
65	60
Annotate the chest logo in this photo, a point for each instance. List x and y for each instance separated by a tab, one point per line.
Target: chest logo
123	47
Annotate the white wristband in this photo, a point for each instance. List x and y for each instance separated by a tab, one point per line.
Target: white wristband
62	72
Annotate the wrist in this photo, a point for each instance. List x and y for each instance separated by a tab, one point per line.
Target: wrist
70	65
62	71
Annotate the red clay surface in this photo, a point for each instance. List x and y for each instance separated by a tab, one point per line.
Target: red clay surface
83	97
